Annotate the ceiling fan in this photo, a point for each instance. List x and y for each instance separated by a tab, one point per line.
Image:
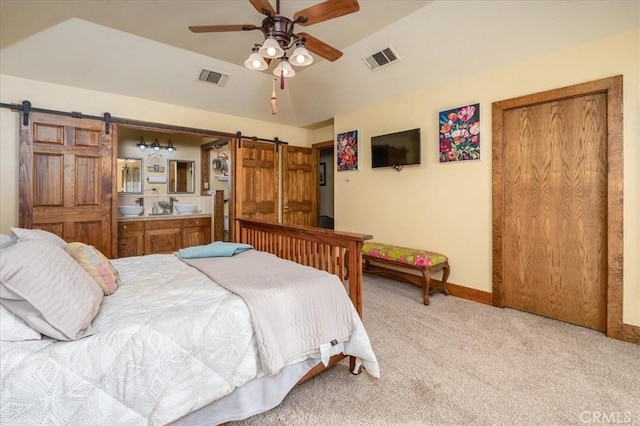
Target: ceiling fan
279	34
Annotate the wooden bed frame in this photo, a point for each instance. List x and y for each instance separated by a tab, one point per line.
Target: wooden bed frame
336	252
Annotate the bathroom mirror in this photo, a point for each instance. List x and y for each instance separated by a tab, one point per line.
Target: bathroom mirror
129	176
182	178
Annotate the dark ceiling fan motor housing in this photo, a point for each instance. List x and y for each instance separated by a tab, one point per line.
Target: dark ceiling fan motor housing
281	28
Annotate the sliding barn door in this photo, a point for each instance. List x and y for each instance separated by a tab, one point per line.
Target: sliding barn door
65	179
300	186
255	180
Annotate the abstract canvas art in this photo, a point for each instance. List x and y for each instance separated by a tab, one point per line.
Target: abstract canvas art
459	130
347	150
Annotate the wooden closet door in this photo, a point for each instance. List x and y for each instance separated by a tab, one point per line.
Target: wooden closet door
65	179
255	180
555	209
300	186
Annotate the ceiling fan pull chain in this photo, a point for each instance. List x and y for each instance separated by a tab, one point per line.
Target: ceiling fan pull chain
282	79
274	98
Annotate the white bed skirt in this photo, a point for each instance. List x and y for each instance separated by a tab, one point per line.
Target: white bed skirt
257	396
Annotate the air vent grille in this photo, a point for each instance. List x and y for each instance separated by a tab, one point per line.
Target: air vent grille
381	59
214	77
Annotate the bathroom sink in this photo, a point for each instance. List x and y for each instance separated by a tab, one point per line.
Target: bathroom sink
185	208
130	210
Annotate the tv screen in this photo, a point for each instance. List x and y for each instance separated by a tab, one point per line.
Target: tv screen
396	149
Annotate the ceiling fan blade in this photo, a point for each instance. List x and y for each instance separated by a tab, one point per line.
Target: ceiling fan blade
221	28
261	5
326	10
320	48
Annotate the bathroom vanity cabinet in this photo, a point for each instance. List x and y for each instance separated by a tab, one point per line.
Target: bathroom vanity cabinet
152	236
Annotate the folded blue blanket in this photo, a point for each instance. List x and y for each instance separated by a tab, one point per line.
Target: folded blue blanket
215	249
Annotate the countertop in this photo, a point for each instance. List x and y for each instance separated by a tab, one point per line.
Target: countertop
174	216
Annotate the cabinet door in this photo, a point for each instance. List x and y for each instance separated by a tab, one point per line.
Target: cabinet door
163	236
196	232
130	239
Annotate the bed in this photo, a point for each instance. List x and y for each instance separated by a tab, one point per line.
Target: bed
165	342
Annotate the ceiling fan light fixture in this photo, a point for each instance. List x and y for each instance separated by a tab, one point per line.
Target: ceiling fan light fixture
284	68
301	56
255	61
271	48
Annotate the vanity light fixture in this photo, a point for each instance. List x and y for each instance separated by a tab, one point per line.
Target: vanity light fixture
142	145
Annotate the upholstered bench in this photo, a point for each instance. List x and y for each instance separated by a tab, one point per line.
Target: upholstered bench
403	257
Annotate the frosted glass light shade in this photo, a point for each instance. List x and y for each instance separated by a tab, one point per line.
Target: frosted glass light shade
256	62
301	57
285	68
271	48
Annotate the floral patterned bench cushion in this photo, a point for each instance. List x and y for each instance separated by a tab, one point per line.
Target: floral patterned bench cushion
421	258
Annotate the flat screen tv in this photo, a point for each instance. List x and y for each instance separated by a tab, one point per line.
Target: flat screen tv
396	149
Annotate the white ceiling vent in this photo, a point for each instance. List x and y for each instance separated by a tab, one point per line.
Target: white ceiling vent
381	59
213	77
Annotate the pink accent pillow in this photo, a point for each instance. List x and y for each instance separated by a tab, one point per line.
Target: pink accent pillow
96	264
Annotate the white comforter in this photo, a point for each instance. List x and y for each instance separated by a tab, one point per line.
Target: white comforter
169	341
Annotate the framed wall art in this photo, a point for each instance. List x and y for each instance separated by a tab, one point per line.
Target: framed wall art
347	150
323	174
459	130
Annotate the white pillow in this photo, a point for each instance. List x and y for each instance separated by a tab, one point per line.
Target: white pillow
24	234
5	241
13	329
48	289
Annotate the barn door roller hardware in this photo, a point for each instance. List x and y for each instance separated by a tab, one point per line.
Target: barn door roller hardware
25	109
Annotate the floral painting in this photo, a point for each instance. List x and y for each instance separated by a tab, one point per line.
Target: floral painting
347	150
460	134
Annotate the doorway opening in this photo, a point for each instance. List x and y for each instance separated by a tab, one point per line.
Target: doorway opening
325	184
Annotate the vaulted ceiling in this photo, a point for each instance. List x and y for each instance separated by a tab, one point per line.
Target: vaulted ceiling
143	48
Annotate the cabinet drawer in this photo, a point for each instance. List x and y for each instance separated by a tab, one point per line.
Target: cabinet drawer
124	227
201	221
163	224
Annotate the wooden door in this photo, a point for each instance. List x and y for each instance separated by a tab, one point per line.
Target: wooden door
300	186
65	179
552	205
181	177
255	181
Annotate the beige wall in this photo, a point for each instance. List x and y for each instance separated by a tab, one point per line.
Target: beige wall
447	207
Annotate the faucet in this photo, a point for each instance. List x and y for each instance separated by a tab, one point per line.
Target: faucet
171	201
140	201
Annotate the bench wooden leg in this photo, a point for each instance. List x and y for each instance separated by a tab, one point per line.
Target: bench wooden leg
445	277
425	287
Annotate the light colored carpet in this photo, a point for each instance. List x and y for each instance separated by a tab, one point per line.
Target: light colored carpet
458	362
